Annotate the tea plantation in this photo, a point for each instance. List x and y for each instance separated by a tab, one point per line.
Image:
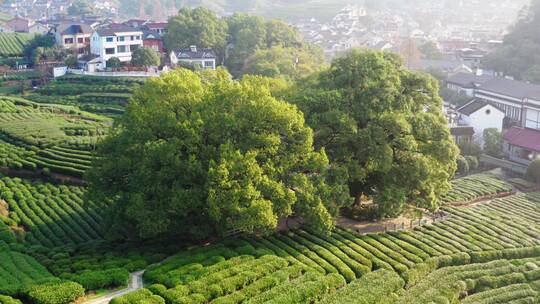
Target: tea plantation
55	249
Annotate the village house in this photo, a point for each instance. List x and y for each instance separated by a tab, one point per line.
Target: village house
480	115
115	40
203	58
154	40
520	104
74	36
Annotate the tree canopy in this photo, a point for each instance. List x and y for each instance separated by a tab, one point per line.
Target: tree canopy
200	154
279	61
80	7
519	56
198	26
238	38
145	56
383	126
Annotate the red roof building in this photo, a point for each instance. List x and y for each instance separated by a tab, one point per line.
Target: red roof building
522	145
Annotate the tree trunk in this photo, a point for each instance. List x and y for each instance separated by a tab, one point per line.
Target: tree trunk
358	199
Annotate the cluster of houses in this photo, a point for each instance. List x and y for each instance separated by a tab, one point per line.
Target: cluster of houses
97	44
512	107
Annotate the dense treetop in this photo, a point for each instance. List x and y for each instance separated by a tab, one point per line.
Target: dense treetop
383	126
201	154
244	43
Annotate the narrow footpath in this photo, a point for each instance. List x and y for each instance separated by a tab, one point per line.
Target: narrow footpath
135	283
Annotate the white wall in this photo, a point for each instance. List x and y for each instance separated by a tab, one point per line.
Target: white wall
487	117
100	44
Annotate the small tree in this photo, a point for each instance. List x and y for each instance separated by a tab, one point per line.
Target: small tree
492	142
145	56
114	62
463	165
71	61
533	172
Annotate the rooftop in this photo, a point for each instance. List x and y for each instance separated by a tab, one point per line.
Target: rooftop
512	88
195	53
524	138
73	29
473	106
468	80
114	28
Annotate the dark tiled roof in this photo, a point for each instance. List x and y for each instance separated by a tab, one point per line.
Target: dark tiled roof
187	53
524	138
112	29
151	34
512	88
73	29
472	107
156	25
442	64
468	80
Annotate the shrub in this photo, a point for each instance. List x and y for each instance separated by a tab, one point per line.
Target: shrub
94	280
472	161
9	300
55	293
463	165
140	296
469	148
533	172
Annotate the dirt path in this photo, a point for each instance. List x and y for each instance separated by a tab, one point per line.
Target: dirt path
135	283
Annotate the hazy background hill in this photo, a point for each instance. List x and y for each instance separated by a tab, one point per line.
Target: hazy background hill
289	10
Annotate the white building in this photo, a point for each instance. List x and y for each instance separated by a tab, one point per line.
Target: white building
200	58
481	116
115	40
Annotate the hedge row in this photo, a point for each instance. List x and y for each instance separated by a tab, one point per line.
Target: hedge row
55	293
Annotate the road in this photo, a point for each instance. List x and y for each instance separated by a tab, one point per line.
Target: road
135	283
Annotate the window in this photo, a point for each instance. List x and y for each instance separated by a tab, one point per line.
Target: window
132	38
80	40
68	41
533	119
156	48
133	47
109	51
121	38
208	64
122	49
488	111
137	37
109	39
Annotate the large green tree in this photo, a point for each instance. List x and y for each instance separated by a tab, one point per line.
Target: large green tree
250	34
198	154
383	125
198	26
285	62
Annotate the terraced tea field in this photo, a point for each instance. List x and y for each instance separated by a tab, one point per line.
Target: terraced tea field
53	137
474	247
18	270
50	215
476	186
12	44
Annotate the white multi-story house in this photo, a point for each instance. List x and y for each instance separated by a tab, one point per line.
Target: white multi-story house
115	40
